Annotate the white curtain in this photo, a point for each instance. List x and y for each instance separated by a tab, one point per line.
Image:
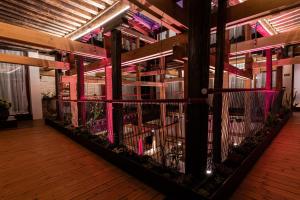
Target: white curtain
13	84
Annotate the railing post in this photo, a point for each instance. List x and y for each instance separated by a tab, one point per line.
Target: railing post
116	48
80	91
217	101
197	87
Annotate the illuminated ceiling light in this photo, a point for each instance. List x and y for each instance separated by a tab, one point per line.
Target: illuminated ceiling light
288	25
150	57
281	16
286	20
266	25
101	23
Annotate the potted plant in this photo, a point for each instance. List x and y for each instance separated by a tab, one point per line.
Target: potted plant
4	109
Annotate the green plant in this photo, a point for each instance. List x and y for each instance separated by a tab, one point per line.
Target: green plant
4	105
290	101
271	120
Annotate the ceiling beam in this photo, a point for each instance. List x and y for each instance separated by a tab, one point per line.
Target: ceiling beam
30	37
68	8
84	6
291	37
23	60
29	26
238	14
36	16
28	22
48	10
96	3
132	33
281	62
98	21
142	7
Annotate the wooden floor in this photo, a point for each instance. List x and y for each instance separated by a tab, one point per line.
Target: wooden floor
277	173
39	163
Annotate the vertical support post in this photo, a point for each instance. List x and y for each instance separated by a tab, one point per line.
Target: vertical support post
80	91
139	91
162	92
268	81
217	100
197	84
269	69
58	73
109	107
116	47
279	73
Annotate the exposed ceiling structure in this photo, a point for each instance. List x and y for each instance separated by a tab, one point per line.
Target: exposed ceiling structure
84	20
55	17
286	21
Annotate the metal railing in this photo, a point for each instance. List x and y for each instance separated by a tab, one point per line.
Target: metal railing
156	128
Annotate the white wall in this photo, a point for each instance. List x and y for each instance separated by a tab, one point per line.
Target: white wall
35	89
297	83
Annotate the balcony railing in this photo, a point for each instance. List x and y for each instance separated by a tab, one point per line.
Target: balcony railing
155	129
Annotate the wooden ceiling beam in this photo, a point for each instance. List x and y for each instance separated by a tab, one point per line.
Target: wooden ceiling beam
35	17
68	8
291	37
27	61
30	37
99	20
140	6
109	2
83	6
281	62
29	26
48	10
95	3
238	14
28	22
132	33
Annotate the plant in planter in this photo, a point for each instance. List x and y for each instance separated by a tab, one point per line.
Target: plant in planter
4	109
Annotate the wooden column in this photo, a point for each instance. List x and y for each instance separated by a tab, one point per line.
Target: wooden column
217	100
139	91
116	48
269	69
80	91
58	73
268	81
109	107
279	73
248	58
197	85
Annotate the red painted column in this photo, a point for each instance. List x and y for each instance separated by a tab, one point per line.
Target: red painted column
109	107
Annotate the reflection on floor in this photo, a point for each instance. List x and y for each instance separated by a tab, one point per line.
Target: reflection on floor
36	162
277	173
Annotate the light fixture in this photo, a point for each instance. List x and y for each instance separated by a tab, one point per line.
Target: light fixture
122	9
150	57
208	171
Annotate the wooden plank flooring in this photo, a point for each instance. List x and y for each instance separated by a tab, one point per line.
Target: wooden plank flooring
40	163
276	175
